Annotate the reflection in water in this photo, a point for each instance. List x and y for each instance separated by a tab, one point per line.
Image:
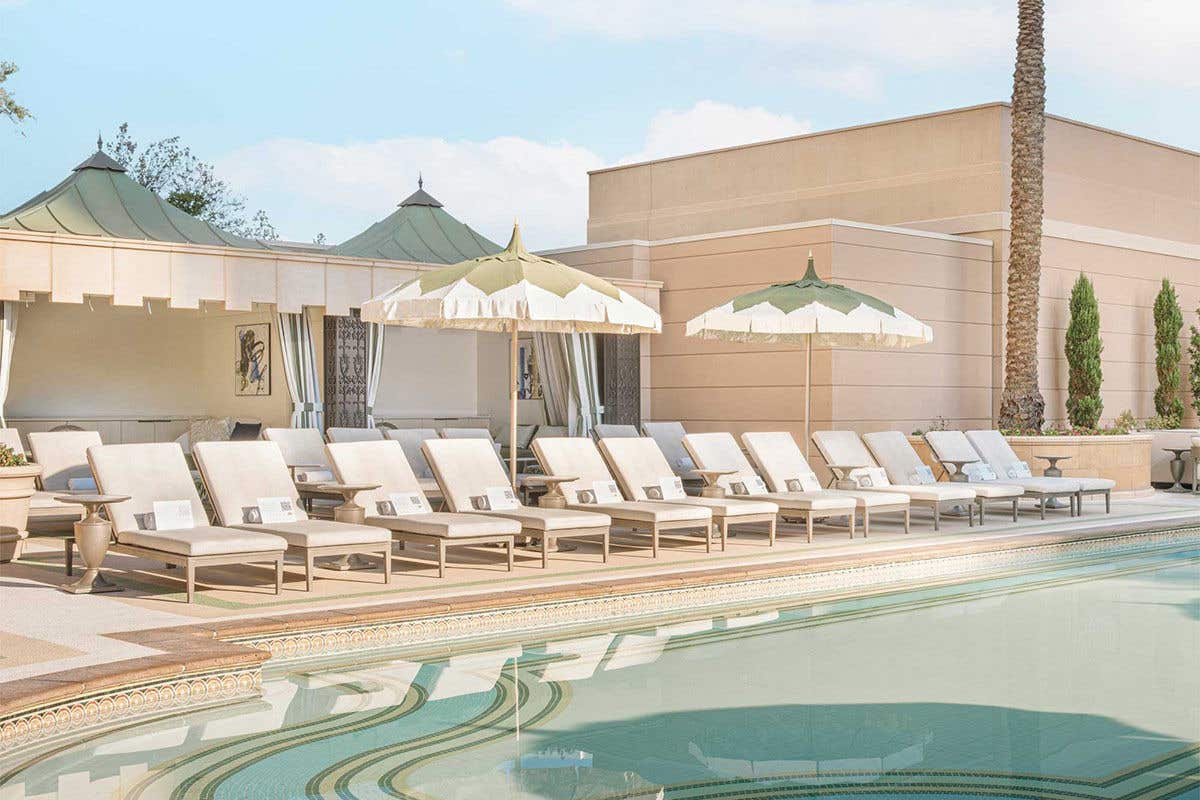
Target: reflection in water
1066	684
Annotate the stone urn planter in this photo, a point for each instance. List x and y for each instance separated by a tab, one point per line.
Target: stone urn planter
16	487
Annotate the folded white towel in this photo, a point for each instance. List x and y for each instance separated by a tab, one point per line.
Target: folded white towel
315	476
81	484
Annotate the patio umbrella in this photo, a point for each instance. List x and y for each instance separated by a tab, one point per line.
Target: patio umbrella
509	292
810	311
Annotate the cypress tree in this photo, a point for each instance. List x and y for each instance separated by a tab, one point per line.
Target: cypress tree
1194	371
1083	349
1168	322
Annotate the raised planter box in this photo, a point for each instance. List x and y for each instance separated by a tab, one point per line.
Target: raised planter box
1124	459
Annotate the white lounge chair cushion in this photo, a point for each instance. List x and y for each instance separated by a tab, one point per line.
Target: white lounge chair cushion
147	473
951	446
449	525
45	500
843	449
315	476
993	491
12	438
935	492
730	507
720	451
644	511
239	474
410	440
62	456
833	502
554	519
870	499
301	447
354	434
380	462
1095	484
322	533
205	540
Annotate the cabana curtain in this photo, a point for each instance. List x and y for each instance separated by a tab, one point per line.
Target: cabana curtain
300	369
374	367
556	377
8	337
570	383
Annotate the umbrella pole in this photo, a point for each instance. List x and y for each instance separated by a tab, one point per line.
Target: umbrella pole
808	397
514	385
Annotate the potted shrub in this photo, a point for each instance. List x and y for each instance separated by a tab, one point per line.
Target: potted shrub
17	478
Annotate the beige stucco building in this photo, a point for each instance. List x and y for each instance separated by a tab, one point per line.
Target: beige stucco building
914	211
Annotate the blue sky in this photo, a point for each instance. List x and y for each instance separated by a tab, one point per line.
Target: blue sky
322	113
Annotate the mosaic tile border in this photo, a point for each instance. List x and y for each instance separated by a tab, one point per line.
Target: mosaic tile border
449	628
128	704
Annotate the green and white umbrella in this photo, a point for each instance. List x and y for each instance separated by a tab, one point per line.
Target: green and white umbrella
810	311
508	292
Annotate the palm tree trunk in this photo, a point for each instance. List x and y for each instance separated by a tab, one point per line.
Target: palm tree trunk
1022	406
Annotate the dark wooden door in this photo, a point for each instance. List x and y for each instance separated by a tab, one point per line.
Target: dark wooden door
620	371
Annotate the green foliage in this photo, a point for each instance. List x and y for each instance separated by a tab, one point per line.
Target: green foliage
170	170
8	106
10	457
1194	367
1083	349
1168	322
1125	422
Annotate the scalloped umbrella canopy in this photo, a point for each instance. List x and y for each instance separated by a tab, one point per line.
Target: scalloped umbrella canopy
508	292
810	311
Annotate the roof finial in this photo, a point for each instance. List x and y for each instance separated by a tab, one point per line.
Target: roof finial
420	180
99	141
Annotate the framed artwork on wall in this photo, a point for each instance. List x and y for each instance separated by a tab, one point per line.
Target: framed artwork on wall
252	360
531	380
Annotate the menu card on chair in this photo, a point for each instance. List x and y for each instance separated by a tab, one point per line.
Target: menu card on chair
173	515
500	498
276	509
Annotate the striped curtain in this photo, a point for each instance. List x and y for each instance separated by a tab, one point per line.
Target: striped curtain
8	337
375	337
300	369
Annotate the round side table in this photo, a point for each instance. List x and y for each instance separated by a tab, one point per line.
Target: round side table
710	478
1053	470
351	513
958	476
553	496
92	536
1177	466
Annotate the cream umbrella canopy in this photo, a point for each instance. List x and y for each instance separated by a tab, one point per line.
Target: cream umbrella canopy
810	311
509	292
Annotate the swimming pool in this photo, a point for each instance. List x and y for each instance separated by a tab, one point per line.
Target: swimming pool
1076	681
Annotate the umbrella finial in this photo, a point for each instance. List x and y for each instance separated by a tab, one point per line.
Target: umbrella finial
515	244
99	141
810	274
420	180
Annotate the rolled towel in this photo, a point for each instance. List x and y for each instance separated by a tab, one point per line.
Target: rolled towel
314	476
81	484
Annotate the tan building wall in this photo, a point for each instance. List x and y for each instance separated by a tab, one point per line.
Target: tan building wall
1124	210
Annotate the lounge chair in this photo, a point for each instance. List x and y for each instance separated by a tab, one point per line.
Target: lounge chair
354	434
607	431
642	470
849	460
952	449
893	452
62	455
579	457
400	506
783	465
303	451
158	473
993	449
485	434
12	438
410	440
551	432
720	451
468	471
248	480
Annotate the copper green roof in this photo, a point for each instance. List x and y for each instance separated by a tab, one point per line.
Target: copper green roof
99	199
419	230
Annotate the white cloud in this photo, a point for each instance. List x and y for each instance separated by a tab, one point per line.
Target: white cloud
1119	40
310	187
709	125
860	81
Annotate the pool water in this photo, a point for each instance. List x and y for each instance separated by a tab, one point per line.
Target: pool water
1074	682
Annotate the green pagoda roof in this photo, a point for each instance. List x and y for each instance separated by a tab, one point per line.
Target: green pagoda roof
99	199
419	230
